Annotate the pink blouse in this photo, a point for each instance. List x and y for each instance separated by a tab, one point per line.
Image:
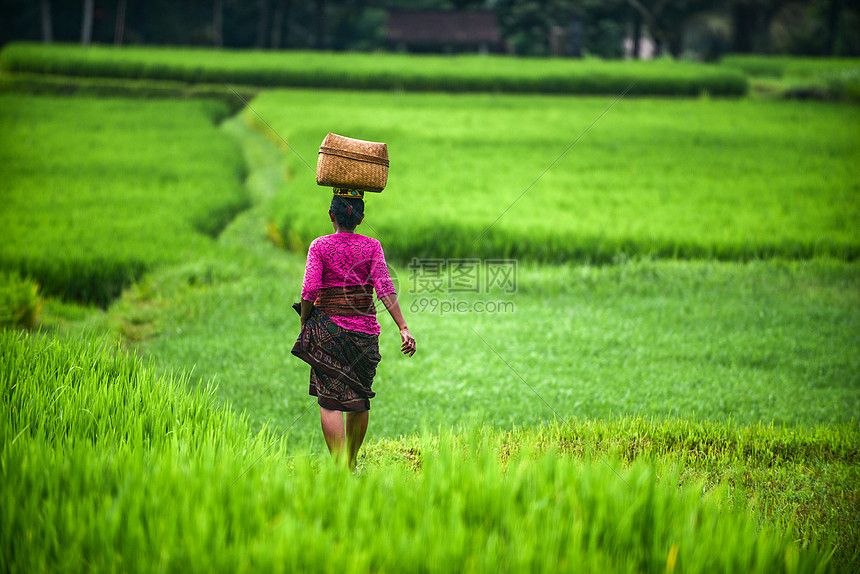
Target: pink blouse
347	259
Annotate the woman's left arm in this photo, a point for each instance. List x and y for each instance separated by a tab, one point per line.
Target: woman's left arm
384	286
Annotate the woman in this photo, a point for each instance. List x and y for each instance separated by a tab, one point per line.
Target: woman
340	334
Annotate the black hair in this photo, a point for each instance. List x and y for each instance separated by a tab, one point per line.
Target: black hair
347	211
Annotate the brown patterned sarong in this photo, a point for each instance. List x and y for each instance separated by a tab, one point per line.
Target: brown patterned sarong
346	301
343	362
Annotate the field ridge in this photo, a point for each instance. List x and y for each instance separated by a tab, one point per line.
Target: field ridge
355	71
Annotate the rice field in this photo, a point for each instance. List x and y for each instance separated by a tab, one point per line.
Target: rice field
107	466
504	176
673	387
379	71
98	191
819	78
779	66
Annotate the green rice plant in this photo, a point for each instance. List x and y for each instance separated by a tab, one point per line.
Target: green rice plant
89	391
844	83
376	71
96	192
52	85
821	78
800	479
20	303
461	512
107	466
499	176
779	66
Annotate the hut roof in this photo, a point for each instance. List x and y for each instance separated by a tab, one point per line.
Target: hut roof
443	27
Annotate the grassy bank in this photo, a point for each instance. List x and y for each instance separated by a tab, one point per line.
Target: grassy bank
106	466
54	85
376	71
780	66
797	77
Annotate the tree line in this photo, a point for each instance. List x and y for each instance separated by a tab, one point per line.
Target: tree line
699	28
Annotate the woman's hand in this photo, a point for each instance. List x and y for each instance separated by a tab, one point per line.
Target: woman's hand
407	347
390	302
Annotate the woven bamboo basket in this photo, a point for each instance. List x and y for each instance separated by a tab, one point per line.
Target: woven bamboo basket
352	164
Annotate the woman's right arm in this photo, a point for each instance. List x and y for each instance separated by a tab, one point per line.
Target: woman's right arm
407	345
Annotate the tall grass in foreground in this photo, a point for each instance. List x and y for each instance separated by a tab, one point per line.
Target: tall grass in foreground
20	303
106	467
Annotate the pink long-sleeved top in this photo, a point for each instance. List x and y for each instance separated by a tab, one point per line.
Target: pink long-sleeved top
347	259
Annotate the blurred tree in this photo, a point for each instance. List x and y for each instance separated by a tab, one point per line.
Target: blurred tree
597	26
262	23
87	22
281	8
319	24
812	27
119	29
529	27
751	22
218	23
47	29
707	35
840	26
833	9
847	41
636	21
795	29
606	24
355	25
433	4
666	18
525	26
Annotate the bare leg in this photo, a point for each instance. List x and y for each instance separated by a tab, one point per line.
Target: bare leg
356	427
333	431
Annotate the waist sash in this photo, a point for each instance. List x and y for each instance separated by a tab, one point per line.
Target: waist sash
346	301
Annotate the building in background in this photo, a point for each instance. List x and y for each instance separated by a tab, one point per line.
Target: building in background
443	31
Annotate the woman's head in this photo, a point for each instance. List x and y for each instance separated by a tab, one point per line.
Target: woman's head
347	211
